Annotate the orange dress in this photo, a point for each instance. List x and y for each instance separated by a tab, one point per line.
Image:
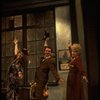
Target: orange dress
74	80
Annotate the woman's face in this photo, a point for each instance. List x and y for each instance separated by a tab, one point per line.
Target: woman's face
74	54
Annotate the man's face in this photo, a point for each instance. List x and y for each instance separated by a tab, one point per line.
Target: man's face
47	52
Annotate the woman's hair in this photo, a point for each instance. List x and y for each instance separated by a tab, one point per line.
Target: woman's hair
76	48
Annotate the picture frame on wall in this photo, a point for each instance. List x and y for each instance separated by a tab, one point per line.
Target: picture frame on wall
63	59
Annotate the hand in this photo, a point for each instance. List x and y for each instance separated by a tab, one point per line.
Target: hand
85	78
35	83
15	41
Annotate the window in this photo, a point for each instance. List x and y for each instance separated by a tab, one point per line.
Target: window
29	30
8	33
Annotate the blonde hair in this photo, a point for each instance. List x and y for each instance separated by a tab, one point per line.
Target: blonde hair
76	48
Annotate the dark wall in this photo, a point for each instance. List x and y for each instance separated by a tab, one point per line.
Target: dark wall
91	27
73	22
11	7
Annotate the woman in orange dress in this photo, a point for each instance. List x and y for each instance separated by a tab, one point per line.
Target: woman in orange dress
76	74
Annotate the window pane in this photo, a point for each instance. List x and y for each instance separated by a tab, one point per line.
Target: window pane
9	36
3	37
39	33
18	35
31	47
32	61
31	34
8	62
31	74
39	18
8	21
39	46
30	19
49	17
18	21
9	49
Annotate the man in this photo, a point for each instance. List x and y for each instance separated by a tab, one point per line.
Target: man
47	64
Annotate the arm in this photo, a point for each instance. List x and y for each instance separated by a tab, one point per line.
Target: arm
78	63
55	73
70	51
16	50
69	47
53	69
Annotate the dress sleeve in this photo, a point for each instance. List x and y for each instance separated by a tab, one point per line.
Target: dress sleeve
79	65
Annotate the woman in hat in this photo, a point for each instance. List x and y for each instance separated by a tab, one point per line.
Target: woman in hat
16	73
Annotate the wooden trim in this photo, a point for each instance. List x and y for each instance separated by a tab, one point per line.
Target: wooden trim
29	5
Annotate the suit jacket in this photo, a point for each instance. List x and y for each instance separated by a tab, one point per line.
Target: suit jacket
46	65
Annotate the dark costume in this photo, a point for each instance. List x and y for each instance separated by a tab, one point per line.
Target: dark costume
13	80
46	65
74	81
